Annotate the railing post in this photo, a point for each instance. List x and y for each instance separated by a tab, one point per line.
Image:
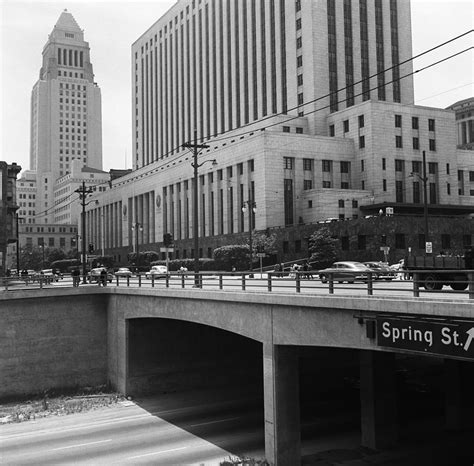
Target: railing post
243	281
139	281
117	278
370	285
221	282
331	283
298	282
269	279
470	279
5	281
167	280
128	280
183	280
416	284
41	282
152	280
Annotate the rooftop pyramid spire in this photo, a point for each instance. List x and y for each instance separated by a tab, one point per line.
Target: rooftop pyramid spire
67	22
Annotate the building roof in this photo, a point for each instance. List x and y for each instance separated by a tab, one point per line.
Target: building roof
67	22
86	169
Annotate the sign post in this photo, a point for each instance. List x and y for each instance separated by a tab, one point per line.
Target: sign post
429	247
261	255
386	250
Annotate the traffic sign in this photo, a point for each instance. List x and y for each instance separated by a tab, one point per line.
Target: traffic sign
261	254
427	336
429	247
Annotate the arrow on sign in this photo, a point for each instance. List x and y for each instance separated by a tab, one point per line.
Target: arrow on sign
470	337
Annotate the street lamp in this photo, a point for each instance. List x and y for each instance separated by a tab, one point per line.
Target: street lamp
195	146
251	206
137	227
424	179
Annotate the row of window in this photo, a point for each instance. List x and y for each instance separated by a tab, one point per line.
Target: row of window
51	242
73	86
415	143
23	196
398	124
70	74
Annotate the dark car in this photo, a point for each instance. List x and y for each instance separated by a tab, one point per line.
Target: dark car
382	271
347	271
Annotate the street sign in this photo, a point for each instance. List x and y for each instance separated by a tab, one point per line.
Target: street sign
427	336
389	211
429	247
261	254
166	249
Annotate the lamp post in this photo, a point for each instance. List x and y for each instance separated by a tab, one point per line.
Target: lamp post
18	243
195	147
424	180
137	227
251	206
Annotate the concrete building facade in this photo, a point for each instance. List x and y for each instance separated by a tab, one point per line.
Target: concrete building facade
295	128
66	111
464	110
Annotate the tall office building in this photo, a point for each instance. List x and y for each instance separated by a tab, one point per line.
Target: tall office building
66	112
212	66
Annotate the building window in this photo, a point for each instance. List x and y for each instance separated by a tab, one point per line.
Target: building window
414	122
288	163
300	80
327	165
466	241
432	168
445	241
346	126
345	167
400	241
431	124
447	169
299	130
361	142
298	24
341	203
384	163
344	185
355	204
310	204
332	132
448	189
362	165
361	242
361	121
384	185
299	61
299	42
398	191
307	184
307	164
398	121
399	165
326	184
398	142
416	144
286	129
432	145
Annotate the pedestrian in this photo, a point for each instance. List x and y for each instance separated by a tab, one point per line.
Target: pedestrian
103	277
277	270
76	277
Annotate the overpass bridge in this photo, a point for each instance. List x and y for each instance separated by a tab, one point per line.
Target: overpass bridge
149	340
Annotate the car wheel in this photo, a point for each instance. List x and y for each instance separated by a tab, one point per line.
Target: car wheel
431	282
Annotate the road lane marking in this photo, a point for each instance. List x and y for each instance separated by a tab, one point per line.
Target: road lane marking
156	453
81	445
215	422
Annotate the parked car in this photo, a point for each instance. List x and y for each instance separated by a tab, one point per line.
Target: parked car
157	271
347	271
123	272
381	269
94	274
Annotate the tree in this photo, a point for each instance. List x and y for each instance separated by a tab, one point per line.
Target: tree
261	242
323	248
235	255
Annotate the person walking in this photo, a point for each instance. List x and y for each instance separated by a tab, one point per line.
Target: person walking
103	277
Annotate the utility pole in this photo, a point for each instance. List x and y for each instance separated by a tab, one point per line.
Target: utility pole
83	193
196	148
425	199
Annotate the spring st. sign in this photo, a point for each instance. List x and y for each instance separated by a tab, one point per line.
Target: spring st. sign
428	336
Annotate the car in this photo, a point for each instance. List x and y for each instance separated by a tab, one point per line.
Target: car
123	272
157	271
346	271
95	274
382	271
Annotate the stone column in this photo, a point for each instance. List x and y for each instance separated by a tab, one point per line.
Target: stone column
459	380
282	406
378	399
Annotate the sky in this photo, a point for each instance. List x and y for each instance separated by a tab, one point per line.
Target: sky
111	27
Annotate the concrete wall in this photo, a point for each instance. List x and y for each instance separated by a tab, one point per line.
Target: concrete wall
52	342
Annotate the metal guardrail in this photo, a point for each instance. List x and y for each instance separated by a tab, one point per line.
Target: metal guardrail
298	282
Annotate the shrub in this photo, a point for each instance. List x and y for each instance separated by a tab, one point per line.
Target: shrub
236	255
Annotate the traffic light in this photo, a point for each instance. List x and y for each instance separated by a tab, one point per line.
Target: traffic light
167	239
91	248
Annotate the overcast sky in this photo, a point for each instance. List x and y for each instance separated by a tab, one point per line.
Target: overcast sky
111	27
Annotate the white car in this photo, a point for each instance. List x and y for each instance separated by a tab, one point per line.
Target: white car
123	272
157	271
